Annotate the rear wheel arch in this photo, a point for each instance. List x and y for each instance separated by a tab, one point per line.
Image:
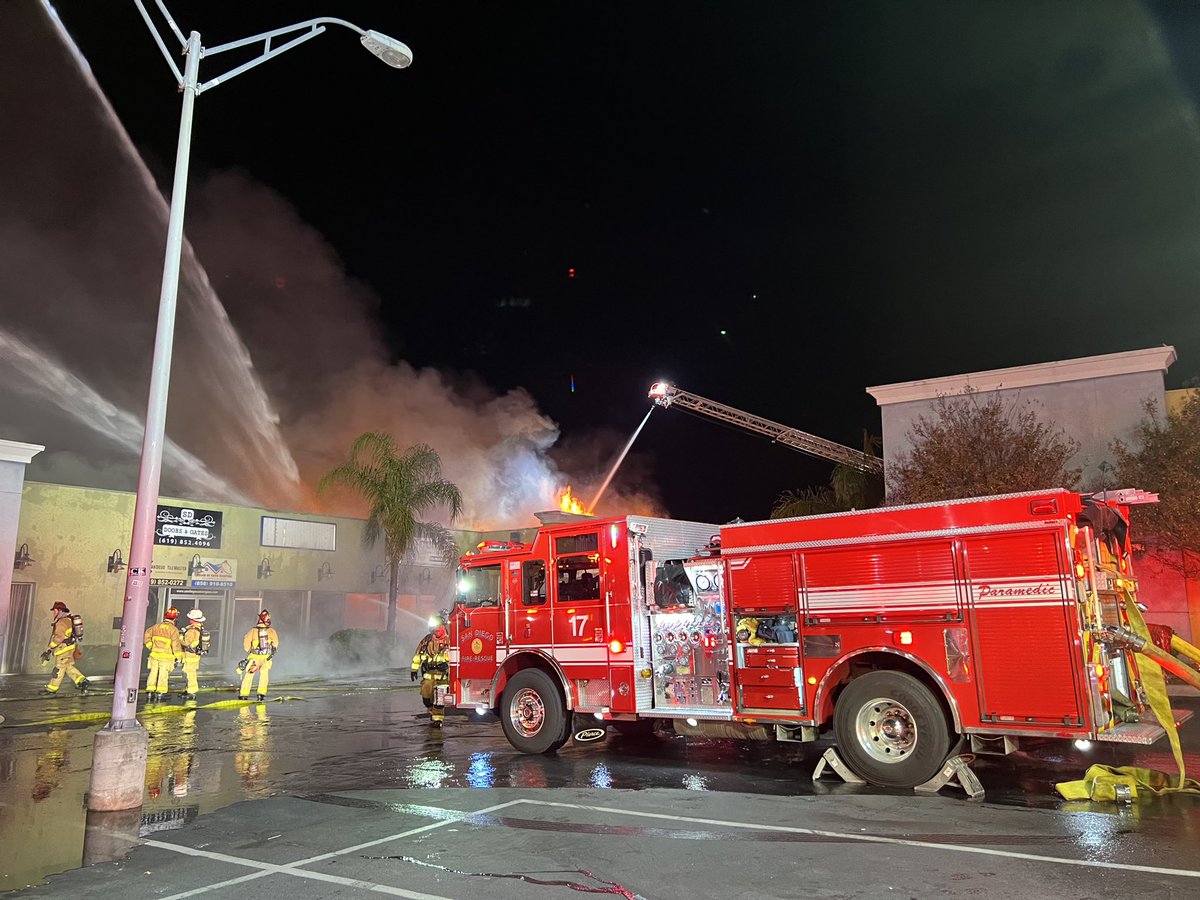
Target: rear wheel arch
852	665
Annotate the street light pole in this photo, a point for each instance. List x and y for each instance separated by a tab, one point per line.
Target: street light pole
120	748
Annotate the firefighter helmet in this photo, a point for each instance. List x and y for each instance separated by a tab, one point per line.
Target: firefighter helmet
264	618
171	614
746	629
59	606
196	615
437	625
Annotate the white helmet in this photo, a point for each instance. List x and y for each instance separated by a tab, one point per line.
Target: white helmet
196	616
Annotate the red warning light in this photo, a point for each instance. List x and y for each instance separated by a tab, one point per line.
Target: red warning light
570	273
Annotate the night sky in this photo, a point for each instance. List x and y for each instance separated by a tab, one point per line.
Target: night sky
773	204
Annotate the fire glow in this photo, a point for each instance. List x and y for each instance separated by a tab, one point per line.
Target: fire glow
568	502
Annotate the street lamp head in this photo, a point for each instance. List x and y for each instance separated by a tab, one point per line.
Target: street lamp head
391	51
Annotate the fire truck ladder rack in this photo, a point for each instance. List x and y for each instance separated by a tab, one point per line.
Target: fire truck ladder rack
666	395
956	768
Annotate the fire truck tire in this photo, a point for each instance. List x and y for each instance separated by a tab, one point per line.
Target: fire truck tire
891	729
532	713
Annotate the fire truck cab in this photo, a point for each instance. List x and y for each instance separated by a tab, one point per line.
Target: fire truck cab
903	630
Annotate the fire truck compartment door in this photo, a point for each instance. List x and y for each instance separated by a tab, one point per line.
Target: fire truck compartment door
1028	668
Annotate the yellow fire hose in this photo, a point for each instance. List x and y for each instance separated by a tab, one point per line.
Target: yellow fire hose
1183	648
165	710
1102	782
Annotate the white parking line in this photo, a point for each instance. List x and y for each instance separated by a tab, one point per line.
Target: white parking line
456	816
293	868
877	839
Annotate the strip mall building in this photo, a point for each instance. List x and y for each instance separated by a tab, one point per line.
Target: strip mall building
316	577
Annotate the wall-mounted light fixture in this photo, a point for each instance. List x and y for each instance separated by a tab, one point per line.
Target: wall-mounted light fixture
326	571
115	563
194	563
22	559
379	573
264	568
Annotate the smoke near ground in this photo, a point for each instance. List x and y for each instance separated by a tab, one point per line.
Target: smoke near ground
278	362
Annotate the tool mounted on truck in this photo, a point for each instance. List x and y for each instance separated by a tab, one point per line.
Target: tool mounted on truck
666	395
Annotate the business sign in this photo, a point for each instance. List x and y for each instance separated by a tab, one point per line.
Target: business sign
185	526
212	572
168	574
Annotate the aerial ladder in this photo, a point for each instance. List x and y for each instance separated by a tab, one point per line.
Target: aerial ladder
666	395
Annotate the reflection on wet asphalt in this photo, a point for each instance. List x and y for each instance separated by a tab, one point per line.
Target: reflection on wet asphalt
328	737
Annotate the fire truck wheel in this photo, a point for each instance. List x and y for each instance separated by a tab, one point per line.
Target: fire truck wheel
532	713
891	729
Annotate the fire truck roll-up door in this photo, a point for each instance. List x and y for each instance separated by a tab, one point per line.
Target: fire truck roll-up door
679	620
770	672
1025	629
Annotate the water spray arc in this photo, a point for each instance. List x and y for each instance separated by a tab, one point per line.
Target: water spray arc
48	379
259	445
119	757
620	459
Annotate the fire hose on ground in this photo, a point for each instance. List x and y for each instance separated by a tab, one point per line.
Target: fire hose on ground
1102	782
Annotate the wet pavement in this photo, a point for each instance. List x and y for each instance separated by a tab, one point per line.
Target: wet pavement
328	765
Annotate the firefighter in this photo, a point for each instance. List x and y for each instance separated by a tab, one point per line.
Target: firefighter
432	663
260	644
66	631
166	652
195	643
746	631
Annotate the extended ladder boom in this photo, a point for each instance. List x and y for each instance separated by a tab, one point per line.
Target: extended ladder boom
666	395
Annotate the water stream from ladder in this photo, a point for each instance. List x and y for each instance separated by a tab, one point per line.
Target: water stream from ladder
620	459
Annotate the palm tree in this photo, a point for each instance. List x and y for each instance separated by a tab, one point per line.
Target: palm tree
849	488
398	487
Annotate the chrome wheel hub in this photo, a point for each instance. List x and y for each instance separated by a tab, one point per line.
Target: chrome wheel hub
886	730
527	712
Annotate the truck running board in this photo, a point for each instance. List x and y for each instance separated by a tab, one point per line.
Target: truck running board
1142	732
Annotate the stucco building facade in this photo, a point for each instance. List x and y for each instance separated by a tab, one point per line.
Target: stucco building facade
312	572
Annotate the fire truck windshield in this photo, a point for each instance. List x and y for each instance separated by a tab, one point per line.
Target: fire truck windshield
479	585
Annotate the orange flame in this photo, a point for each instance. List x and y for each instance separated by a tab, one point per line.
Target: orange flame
568	502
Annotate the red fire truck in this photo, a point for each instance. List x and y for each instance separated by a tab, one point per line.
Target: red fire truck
907	631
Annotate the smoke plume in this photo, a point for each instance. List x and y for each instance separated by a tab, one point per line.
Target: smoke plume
278	362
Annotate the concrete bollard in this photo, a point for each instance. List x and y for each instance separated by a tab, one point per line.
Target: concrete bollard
118	767
109	836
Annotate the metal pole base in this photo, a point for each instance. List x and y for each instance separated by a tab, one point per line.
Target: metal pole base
955	769
118	768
